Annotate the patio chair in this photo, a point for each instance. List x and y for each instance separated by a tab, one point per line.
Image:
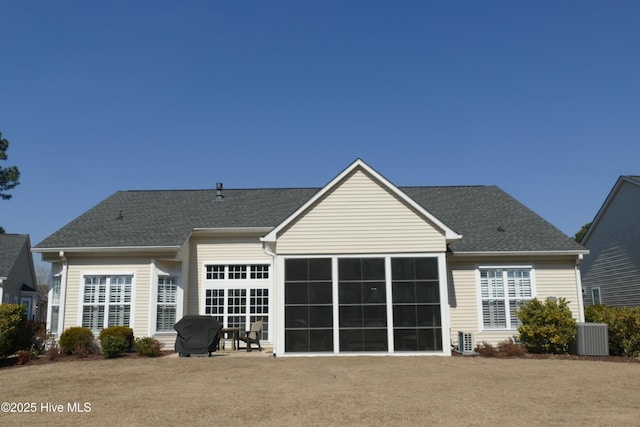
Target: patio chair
252	336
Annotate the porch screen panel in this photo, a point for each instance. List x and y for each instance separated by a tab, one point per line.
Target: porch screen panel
362	304
308	306
417	320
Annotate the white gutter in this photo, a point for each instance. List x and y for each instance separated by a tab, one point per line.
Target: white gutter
520	253
233	230
108	249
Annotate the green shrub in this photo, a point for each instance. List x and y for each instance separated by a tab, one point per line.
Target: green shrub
123	331
12	321
77	341
148	346
113	345
546	327
623	324
32	336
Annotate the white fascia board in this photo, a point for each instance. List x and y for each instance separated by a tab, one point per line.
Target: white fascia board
450	235
108	249
233	230
520	253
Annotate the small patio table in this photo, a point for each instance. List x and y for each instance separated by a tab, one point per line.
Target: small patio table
234	333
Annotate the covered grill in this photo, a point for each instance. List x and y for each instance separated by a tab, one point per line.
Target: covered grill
197	335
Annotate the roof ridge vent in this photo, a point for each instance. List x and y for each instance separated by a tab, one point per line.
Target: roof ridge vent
219	195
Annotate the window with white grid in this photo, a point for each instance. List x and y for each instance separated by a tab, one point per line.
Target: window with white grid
167	303
237	272
117	306
259	309
259	271
214	304
215	272
502	291
55	304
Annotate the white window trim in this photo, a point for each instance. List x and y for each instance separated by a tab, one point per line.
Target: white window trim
593	299
226	284
154	273
132	309
60	303
532	278
245	263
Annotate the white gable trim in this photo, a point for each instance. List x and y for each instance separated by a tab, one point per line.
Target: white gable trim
450	235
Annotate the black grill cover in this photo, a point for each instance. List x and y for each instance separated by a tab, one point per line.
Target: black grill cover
197	334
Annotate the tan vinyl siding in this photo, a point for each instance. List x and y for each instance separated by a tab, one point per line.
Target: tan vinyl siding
360	216
140	268
213	250
553	276
613	264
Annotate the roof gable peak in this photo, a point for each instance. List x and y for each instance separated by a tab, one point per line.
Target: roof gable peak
361	165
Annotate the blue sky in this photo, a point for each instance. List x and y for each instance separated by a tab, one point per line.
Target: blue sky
541	98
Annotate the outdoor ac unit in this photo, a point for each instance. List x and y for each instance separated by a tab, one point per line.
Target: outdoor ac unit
592	339
465	342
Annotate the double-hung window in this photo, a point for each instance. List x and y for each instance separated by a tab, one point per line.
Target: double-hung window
55	304
167	303
502	290
106	301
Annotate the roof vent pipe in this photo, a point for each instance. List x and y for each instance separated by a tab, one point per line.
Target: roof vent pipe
219	195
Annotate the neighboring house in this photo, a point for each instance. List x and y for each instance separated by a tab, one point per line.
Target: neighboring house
358	265
611	272
18	283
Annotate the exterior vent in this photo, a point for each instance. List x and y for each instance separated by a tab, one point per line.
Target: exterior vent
465	342
219	195
592	339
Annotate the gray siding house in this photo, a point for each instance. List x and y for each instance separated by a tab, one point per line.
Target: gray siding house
17	276
611	272
358	265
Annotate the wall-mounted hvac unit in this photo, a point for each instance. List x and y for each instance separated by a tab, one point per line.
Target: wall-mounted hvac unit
592	339
465	342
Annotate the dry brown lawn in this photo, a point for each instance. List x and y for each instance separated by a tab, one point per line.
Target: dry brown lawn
259	390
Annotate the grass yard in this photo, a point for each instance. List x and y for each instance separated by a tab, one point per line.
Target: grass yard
259	390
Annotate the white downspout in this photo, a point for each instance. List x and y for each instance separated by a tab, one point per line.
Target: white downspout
63	294
273	301
579	286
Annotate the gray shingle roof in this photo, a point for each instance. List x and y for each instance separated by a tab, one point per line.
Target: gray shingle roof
487	217
10	247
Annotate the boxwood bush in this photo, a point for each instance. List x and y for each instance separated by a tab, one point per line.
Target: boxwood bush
624	327
148	346
122	331
113	345
77	341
